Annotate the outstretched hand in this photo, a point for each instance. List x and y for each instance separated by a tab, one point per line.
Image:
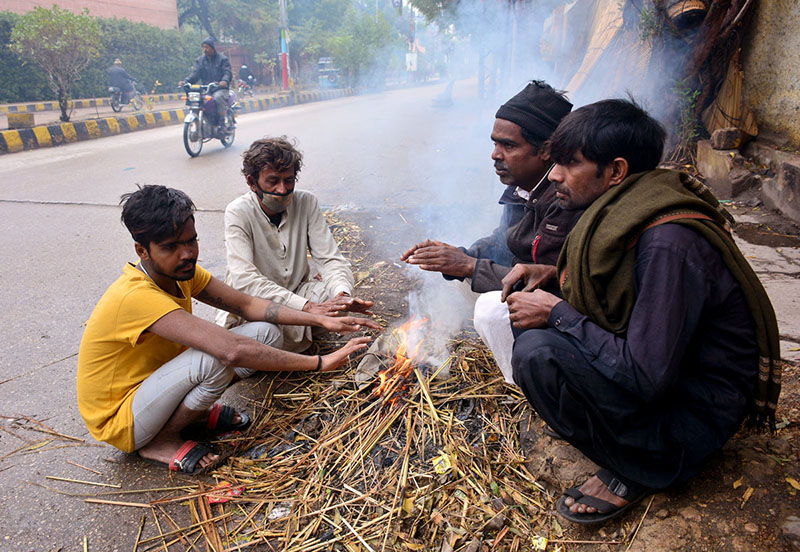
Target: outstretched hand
436	256
339	357
530	309
534	276
339	304
348	324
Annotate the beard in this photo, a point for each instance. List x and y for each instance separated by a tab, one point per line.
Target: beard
184	271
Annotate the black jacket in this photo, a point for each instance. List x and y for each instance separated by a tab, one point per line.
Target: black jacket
119	77
530	232
214	69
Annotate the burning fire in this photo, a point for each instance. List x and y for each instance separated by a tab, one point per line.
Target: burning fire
406	356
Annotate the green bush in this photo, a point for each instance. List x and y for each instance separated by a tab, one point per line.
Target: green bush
147	52
22	81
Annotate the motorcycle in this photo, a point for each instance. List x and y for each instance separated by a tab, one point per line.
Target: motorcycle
245	88
116	99
201	124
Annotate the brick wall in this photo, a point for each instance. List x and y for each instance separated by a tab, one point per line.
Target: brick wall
161	13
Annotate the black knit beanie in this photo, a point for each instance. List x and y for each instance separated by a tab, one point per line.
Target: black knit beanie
210	42
538	109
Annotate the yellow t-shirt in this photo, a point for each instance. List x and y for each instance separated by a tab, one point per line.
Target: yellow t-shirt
117	354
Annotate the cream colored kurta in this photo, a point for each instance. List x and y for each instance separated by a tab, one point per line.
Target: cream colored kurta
272	262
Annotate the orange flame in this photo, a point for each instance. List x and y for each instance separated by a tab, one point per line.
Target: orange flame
403	365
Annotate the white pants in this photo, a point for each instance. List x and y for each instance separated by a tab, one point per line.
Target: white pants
193	378
492	324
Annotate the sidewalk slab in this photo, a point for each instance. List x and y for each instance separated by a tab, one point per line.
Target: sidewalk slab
12	141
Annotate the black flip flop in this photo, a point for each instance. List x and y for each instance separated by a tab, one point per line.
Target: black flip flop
220	419
220	422
605	510
186	459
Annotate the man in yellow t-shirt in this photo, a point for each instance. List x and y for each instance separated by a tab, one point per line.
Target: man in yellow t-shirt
147	367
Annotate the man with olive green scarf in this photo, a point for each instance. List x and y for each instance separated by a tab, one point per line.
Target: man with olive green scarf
665	340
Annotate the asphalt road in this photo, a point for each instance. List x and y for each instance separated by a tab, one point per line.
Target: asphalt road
393	154
62	244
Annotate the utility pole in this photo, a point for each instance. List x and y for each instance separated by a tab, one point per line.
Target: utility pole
284	55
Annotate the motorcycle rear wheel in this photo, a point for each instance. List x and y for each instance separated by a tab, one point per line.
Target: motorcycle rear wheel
193	138
116	107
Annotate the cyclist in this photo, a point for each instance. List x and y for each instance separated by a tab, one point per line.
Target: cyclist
213	66
119	78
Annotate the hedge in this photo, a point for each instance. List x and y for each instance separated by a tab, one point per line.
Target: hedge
148	53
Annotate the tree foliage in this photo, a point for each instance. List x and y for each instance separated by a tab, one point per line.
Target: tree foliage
21	81
148	53
61	43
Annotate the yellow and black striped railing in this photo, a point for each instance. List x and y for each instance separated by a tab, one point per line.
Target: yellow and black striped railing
12	141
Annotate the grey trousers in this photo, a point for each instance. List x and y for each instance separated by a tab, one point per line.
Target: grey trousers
193	378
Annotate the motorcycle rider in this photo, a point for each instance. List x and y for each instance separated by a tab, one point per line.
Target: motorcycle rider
213	66
119	78
246	75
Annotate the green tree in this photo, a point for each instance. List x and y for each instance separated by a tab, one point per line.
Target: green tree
21	81
148	53
61	43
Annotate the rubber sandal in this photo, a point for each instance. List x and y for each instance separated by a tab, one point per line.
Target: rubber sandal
186	459
605	510
220	419
220	422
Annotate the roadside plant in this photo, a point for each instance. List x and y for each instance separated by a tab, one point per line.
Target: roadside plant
687	130
61	43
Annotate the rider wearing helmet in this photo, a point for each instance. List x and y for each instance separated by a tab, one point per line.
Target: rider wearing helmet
246	75
119	78
213	66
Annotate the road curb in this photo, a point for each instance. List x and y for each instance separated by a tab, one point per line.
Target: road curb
35	107
12	141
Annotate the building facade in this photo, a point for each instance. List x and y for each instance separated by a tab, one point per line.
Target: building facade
160	13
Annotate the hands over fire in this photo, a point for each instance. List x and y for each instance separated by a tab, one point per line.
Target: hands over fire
436	256
339	357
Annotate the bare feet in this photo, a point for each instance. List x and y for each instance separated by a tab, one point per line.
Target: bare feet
596	488
163	450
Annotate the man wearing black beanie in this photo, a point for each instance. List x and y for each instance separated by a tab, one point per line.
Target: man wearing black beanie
532	228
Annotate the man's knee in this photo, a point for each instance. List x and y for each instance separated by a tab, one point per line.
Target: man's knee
264	332
535	351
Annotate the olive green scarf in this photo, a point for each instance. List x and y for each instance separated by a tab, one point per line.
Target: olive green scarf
596	265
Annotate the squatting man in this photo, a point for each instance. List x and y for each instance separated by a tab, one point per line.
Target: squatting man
651	360
532	228
148	368
271	231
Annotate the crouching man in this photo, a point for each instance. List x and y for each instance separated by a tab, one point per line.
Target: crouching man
147	367
271	231
665	340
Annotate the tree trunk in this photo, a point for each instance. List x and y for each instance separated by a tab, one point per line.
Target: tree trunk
62	104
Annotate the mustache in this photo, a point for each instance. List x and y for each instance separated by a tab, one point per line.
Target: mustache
279	195
501	166
187	264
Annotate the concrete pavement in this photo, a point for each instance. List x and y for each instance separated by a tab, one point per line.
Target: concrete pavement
390	155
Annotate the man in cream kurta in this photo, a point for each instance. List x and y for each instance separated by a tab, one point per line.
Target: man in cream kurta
270	232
